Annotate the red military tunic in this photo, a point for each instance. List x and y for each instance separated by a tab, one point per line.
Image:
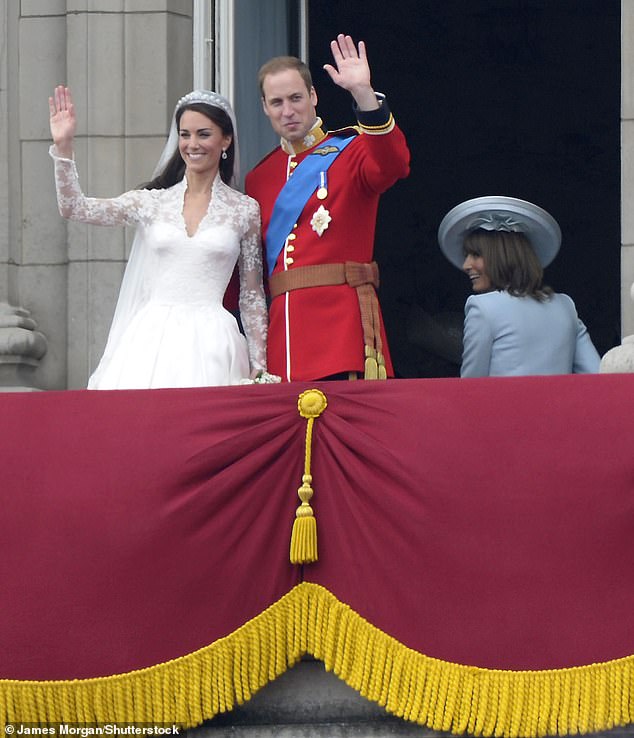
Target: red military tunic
316	331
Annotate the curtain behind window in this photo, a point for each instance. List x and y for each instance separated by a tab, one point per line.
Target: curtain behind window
262	30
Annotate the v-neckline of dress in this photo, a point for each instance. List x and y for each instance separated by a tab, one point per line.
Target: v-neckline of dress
206	213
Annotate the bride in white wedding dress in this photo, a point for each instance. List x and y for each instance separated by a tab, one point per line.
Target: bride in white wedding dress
170	328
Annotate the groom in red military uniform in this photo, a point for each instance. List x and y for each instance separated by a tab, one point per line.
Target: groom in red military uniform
319	193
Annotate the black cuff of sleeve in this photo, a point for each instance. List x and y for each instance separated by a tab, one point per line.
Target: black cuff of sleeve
373	118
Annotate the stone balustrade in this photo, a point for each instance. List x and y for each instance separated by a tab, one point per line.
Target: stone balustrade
620	358
22	347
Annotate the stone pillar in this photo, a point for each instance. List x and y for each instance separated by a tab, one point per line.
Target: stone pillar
38	260
627	164
4	151
21	348
621	358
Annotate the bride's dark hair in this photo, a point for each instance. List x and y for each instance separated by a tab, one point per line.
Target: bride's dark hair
174	170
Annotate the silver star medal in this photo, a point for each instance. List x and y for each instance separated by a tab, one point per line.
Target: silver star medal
320	220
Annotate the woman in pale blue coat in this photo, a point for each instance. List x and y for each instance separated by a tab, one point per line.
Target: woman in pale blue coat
514	324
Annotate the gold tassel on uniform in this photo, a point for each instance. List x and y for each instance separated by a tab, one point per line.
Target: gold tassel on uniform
382	370
311	405
371	370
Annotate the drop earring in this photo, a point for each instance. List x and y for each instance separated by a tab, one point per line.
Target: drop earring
224	154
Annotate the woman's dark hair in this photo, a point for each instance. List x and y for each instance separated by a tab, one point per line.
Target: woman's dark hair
510	262
174	170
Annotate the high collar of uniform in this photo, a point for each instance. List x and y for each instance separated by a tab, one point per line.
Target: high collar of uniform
313	137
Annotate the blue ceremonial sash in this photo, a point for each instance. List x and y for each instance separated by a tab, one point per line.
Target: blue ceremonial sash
295	193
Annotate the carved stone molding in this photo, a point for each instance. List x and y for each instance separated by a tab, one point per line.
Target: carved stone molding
22	347
620	359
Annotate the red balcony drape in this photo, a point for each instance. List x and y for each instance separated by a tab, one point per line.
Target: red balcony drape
487	523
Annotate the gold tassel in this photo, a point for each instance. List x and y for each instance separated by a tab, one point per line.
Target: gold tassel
371	365
304	535
380	360
311	404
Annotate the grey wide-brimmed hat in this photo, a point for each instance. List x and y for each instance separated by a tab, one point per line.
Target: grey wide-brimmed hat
499	213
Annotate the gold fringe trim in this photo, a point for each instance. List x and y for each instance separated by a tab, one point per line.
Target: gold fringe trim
309	619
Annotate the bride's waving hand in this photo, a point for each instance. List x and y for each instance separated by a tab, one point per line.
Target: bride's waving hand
62	120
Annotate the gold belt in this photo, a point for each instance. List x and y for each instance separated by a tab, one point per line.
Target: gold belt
364	278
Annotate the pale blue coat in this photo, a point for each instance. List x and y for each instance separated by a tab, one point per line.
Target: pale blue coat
519	336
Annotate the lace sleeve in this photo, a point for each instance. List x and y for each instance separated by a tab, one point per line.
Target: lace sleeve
127	209
252	302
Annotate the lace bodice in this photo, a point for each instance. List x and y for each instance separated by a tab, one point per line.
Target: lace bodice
182	269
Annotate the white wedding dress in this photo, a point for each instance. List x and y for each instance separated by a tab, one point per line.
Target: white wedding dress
170	327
